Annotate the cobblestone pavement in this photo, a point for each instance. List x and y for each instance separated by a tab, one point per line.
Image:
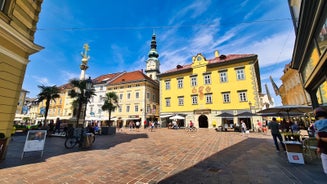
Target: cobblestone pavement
161	156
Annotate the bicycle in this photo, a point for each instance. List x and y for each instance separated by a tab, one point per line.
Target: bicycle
191	129
77	136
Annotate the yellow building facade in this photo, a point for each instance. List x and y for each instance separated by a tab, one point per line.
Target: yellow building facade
17	27
207	87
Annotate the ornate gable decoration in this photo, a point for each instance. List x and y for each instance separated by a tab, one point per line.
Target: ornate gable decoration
199	61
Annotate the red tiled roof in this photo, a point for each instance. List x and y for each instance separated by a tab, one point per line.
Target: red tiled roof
220	59
106	77
65	86
130	77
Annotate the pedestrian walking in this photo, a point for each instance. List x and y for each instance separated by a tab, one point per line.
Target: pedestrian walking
120	124
137	125
275	127
243	127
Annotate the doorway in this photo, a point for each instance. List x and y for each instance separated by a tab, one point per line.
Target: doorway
203	121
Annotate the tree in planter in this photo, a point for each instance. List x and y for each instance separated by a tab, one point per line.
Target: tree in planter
81	94
110	104
48	93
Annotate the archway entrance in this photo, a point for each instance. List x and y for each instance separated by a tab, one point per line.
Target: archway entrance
203	121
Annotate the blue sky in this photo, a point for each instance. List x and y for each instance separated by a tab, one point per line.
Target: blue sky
119	35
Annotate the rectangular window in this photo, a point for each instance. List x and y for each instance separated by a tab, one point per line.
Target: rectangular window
101	88
127	108
180	100
136	108
194	99
223	76
167	102
242	96
226	97
120	96
179	83
167	85
240	75
128	95
148	95
207	79
137	95
120	108
322	38
193	81
148	109
208	98
129	86
2	4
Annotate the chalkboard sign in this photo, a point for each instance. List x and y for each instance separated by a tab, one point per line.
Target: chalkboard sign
35	140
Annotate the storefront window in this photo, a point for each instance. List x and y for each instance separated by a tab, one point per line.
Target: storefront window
322	94
322	38
310	64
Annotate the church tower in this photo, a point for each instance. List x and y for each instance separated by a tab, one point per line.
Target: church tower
152	63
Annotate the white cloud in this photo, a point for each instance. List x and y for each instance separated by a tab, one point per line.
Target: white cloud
67	75
41	80
195	9
274	49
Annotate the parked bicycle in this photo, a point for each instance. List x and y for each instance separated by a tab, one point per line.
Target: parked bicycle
191	129
78	136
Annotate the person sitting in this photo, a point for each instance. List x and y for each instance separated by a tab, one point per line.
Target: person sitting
295	128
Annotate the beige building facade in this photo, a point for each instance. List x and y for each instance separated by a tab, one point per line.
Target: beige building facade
292	91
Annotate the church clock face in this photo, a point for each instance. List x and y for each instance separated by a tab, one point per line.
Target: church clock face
152	65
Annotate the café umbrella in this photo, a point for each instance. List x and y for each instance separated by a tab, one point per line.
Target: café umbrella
287	109
245	115
225	115
177	117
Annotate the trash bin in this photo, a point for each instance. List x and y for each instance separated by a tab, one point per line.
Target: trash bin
88	140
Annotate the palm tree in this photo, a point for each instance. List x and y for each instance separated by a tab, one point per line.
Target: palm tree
48	93
110	103
81	95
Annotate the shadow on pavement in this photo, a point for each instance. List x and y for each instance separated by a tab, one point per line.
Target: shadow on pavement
54	146
257	163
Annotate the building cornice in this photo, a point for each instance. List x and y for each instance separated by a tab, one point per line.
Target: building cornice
18	39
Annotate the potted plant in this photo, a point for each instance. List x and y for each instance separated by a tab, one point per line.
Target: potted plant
110	104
